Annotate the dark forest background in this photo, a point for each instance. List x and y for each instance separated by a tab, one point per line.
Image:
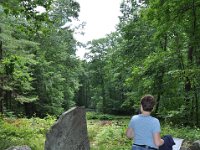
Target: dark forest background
155	50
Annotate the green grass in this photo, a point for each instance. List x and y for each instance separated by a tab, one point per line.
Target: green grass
187	133
24	131
100	116
106	132
108	135
112	136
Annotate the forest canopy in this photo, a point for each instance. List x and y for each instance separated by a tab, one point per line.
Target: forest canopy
155	50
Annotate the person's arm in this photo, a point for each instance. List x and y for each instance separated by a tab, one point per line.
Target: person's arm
157	139
129	133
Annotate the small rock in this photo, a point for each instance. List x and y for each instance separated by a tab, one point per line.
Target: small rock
195	145
184	148
19	148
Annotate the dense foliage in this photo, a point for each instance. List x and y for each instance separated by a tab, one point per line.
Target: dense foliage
31	132
38	67
155	50
103	134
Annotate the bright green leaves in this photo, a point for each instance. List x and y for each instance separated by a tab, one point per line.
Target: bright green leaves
156	51
17	62
64	11
39	69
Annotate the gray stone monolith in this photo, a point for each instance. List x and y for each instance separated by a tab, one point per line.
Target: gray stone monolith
69	132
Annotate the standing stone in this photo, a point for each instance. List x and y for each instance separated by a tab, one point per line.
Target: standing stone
69	132
195	145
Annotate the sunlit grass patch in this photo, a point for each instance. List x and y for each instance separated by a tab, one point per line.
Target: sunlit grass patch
31	132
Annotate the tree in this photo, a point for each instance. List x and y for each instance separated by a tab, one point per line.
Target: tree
38	58
16	61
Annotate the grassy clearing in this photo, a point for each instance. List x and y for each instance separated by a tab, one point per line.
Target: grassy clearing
110	134
106	132
24	131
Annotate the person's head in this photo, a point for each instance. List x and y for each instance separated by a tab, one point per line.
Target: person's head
147	103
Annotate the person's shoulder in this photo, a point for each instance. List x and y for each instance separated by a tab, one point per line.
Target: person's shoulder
155	119
134	117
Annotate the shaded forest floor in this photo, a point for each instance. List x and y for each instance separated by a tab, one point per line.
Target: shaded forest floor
106	132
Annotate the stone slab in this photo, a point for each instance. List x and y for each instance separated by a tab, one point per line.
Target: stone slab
69	132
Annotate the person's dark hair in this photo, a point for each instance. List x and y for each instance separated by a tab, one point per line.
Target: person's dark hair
148	103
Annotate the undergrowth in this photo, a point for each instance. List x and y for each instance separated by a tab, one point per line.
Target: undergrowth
105	132
24	131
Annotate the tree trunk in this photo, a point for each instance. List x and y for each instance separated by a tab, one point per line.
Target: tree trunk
191	49
1	50
103	94
159	88
187	100
196	106
1	101
160	76
29	109
1	78
158	103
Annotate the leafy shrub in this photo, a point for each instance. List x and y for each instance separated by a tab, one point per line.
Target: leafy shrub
103	135
112	136
109	137
106	117
187	133
92	115
100	116
24	131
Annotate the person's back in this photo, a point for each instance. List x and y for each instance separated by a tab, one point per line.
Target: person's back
144	128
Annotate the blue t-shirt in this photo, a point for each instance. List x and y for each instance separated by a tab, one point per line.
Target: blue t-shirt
144	127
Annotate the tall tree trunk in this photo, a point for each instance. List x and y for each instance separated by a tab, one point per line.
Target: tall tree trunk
196	106
158	103
187	100
1	100
87	92
1	78
159	89
191	49
1	50
160	76
29	109
103	94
